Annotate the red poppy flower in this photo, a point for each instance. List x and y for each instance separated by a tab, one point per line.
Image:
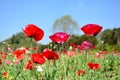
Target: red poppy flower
65	52
29	65
38	58
4	74
32	30
93	66
86	45
73	45
1	53
71	53
49	54
34	48
19	54
59	37
80	72
79	47
91	29
4	55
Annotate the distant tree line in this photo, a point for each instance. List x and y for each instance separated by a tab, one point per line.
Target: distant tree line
111	36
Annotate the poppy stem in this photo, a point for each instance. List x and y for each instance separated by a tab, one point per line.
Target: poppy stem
86	54
51	46
54	69
102	42
60	47
31	45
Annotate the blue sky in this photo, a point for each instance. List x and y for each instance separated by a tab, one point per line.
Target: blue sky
15	14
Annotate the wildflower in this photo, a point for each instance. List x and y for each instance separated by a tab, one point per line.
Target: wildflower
86	45
34	48
38	58
93	66
49	54
59	37
80	72
11	78
4	55
15	61
10	49
39	69
73	45
1	53
70	48
29	65
71	53
91	29
5	74
32	30
102	42
7	61
19	54
65	52
80	47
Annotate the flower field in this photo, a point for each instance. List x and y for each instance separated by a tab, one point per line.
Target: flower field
79	62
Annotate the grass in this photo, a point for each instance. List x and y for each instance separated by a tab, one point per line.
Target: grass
65	68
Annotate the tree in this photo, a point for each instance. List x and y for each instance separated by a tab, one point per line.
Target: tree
19	40
107	36
76	39
117	35
111	36
65	24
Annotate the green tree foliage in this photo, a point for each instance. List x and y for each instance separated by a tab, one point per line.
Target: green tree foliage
111	36
65	24
20	40
117	35
77	39
107	36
